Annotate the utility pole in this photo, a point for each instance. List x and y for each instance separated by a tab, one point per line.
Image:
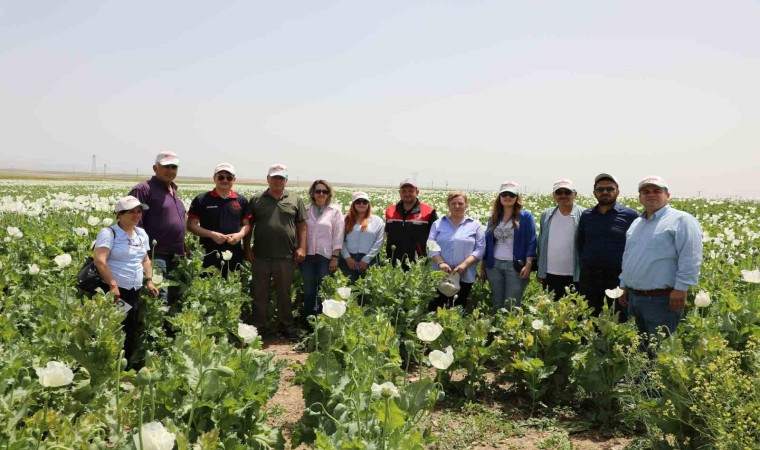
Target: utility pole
93	165
104	170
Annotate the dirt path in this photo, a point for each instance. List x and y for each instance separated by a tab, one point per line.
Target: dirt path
287	405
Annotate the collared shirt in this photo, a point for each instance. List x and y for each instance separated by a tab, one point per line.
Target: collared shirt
165	220
458	243
601	237
408	230
324	233
223	215
368	242
274	224
126	256
664	251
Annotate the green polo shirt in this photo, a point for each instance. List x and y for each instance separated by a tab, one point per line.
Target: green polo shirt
274	224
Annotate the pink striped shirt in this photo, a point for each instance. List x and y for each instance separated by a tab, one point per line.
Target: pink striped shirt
324	234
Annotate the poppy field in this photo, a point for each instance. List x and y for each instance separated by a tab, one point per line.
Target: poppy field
379	365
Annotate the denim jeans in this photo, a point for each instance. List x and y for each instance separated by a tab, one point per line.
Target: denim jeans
652	313
506	285
313	269
166	263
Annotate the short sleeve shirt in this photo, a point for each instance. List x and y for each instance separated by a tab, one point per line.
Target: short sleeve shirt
223	215
274	224
127	254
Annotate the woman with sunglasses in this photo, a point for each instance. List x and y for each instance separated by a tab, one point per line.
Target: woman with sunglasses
510	248
364	237
121	257
324	239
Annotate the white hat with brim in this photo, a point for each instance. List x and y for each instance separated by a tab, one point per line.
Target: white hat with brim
359	195
225	167
278	170
407	182
127	203
653	180
167	159
509	186
563	184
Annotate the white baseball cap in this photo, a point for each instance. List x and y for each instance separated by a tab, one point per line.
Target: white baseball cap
509	186
127	203
563	184
655	180
358	195
278	170
225	167
167	159
407	182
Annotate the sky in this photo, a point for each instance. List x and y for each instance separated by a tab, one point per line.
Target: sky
457	94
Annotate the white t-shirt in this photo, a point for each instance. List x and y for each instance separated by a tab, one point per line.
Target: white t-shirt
504	241
559	255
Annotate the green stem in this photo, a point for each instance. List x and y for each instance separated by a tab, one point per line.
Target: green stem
387	419
44	418
118	388
140	419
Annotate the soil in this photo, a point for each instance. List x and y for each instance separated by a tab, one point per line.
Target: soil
287	405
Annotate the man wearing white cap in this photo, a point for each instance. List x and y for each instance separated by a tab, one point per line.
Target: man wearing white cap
278	218
219	218
662	259
165	220
601	241
407	225
558	266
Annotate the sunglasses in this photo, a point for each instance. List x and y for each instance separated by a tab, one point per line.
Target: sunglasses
225	177
605	189
361	201
508	194
321	191
563	192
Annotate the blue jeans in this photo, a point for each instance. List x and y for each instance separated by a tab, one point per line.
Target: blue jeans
313	269
652	313
506	285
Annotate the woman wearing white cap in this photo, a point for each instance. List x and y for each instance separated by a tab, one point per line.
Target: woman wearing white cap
324	239
121	257
510	247
364	237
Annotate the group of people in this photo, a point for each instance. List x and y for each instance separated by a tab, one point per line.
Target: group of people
654	256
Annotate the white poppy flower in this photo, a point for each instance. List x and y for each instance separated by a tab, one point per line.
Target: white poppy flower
247	333
614	293
702	300
154	437
432	246
441	360
386	389
55	374
62	260
14	232
538	324
107	222
33	269
92	221
226	255
428	331
81	231
751	276
333	308
158	278
344	292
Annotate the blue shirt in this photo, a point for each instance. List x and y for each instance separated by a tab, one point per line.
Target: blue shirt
459	243
127	254
368	242
664	251
600	238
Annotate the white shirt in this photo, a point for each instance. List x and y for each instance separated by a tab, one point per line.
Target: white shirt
504	241
560	252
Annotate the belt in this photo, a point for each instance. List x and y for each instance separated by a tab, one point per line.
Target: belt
652	293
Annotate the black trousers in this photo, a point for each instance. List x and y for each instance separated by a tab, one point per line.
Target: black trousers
556	284
593	283
461	298
131	322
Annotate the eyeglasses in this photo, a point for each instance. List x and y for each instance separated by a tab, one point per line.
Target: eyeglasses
605	189
563	192
508	194
321	191
361	201
225	177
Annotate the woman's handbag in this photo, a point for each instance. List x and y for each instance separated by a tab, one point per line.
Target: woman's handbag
88	277
519	264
